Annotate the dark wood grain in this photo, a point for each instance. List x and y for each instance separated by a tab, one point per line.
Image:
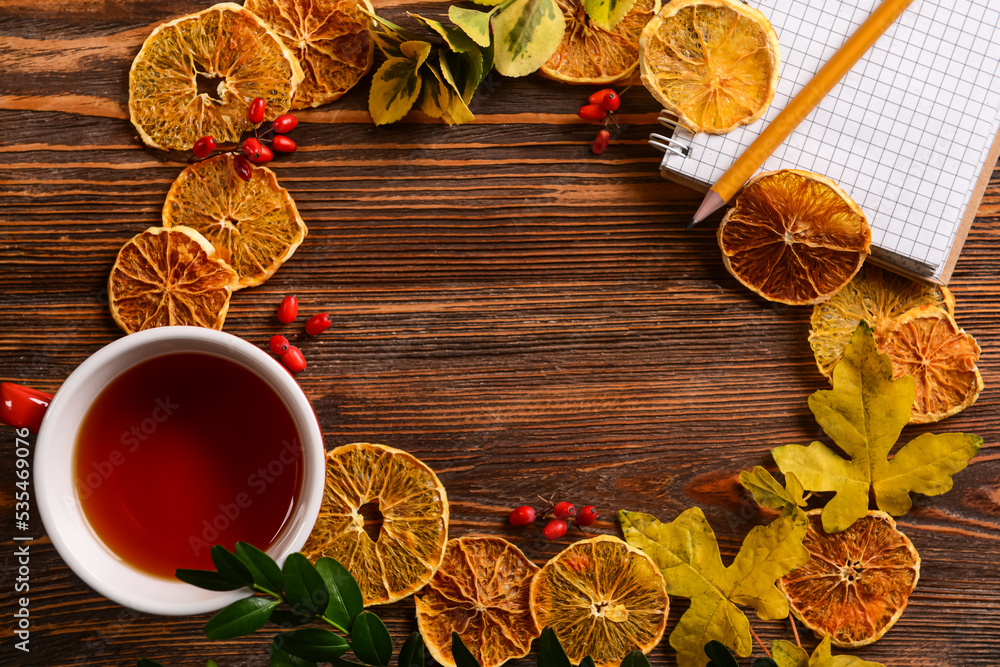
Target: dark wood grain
522	315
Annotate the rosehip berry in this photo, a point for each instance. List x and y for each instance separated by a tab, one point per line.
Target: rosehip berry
522	516
293	359
203	147
610	101
252	148
595	98
317	324
600	142
279	345
288	310
554	529
563	510
592	112
256	111
285	123
242	167
586	516
283	144
266	155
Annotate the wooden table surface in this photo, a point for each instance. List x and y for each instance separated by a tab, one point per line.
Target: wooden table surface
524	316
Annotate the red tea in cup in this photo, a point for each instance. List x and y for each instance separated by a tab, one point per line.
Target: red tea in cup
182	452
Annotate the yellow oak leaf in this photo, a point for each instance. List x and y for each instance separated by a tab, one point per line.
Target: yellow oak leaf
787	654
864	414
686	552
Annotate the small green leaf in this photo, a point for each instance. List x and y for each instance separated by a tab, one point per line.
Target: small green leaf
240	618
210	580
456	110
764	662
279	658
265	572
412	653
527	33
607	13
719	655
211	663
474	23
635	659
587	662
466	70
550	651
143	662
346	600
370	640
455	38
287	618
313	644
463	656
433	93
305	589
395	87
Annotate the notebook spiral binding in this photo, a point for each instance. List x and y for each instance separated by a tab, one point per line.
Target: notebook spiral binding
669	144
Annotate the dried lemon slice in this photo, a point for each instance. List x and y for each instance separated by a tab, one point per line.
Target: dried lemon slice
590	53
224	49
330	39
254	224
602	598
414	509
481	591
856	583
794	237
712	63
167	277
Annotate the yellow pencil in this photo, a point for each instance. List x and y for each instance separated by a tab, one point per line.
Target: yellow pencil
800	107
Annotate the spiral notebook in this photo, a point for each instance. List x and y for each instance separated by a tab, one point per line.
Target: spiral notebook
911	132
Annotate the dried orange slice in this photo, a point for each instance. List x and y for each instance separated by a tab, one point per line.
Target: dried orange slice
794	237
481	591
224	50
602	598
856	583
414	514
590	53
712	63
165	277
330	39
927	344
876	296
254	224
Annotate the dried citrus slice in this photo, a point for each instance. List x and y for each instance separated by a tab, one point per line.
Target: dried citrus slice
414	510
224	50
876	296
169	276
794	236
927	344
602	598
590	53
254	224
856	583
712	63
330	39
481	591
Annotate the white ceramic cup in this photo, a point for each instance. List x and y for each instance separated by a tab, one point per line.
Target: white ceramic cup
55	486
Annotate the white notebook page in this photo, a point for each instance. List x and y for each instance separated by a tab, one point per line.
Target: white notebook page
906	132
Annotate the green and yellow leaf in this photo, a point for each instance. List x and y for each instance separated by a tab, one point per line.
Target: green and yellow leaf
527	33
768	492
456	38
607	13
864	414
396	84
474	23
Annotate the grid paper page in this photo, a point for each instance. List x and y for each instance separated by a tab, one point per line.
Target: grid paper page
906	132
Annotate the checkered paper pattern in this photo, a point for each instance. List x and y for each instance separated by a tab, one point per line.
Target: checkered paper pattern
906	132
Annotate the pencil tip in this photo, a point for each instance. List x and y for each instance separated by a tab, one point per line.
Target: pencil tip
712	203
694	221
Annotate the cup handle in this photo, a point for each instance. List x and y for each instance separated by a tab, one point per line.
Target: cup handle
22	407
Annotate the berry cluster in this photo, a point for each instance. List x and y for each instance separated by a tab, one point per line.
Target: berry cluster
601	106
557	526
291	356
256	149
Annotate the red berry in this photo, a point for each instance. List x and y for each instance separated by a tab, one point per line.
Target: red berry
288	310
317	324
203	147
242	167
600	142
283	144
293	359
266	155
611	101
592	112
595	98
563	510
586	516
278	344
522	516
285	123
252	148
256	111
554	529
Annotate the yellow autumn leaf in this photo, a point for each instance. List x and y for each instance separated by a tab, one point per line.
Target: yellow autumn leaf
787	654
864	414
688	555
768	492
